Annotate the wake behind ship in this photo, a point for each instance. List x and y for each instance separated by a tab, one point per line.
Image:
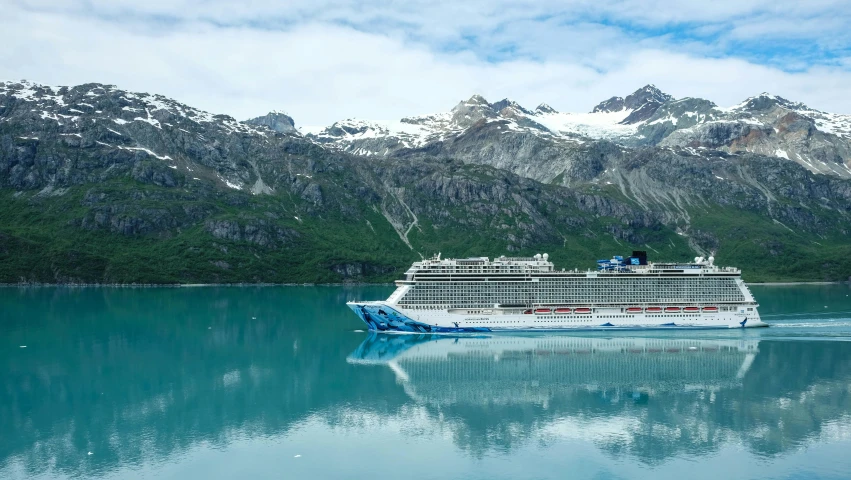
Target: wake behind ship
528	294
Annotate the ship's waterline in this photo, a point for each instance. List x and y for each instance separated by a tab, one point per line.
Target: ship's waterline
528	294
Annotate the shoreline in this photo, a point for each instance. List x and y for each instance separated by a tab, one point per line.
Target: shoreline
191	285
339	284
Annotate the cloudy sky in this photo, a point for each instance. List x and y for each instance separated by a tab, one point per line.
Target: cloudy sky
325	60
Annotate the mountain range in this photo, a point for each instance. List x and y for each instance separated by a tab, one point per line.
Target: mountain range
765	124
102	185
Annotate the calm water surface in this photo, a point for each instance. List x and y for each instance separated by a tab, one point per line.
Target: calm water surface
281	382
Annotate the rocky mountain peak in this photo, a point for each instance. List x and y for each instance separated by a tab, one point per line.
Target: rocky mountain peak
766	101
276	120
614	104
351	126
544	108
648	93
477	99
642	102
471	111
476	102
510	104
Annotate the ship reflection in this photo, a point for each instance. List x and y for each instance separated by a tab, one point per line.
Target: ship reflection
506	369
650	398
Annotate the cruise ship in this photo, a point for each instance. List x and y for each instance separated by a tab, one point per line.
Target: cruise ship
528	294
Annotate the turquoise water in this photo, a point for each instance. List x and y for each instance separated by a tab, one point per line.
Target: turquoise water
281	382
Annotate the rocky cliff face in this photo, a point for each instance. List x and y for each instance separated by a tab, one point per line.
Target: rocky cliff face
276	121
770	126
223	200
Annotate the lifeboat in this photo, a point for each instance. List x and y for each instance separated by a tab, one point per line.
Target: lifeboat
672	309
527	312
634	310
710	309
691	309
544	311
582	310
563	310
653	309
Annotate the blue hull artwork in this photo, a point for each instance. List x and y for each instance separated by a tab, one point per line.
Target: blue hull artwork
386	319
381	318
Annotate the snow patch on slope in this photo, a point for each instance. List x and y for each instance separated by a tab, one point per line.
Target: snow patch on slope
594	125
148	151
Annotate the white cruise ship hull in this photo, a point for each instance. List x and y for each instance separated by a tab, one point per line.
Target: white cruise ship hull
387	317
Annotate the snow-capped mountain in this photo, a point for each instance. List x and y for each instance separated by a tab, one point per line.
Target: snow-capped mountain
95	163
66	105
641	104
764	124
122	124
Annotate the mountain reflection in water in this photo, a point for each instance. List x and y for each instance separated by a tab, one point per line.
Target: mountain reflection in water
117	376
648	397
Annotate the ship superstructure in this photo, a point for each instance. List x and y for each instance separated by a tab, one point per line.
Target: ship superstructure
478	294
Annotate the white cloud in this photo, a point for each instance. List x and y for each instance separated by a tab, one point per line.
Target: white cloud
452	16
321	71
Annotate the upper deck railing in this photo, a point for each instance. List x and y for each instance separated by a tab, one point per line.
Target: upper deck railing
541	264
